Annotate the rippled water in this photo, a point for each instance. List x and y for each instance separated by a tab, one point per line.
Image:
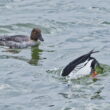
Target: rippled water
30	78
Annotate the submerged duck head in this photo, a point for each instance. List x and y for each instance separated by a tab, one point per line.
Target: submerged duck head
36	35
95	67
92	63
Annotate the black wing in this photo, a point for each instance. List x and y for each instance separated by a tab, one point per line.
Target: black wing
71	66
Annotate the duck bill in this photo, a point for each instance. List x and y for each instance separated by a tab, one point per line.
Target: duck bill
41	38
94	74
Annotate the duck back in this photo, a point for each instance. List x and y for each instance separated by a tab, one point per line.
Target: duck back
15	38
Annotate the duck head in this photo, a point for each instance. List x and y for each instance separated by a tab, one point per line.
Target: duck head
36	35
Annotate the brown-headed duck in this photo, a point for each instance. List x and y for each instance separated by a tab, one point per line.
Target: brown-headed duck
22	41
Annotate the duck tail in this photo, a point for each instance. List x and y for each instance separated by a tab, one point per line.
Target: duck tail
92	51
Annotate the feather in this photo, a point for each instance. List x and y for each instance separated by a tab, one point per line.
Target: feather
72	65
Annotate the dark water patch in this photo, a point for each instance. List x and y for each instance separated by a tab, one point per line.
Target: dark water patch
97	94
106	22
100	9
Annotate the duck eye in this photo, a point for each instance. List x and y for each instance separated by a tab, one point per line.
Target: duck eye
35	33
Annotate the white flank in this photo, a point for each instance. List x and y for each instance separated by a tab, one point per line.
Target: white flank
24	44
84	71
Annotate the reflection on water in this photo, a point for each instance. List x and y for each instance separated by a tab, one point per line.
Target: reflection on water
35	55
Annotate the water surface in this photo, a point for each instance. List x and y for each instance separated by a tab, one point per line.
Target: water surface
30	78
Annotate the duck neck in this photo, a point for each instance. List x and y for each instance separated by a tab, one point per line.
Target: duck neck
89	63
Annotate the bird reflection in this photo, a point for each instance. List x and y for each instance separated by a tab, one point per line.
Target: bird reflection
35	55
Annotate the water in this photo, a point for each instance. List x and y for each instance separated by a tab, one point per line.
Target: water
30	78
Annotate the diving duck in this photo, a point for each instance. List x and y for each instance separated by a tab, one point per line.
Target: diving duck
22	41
82	66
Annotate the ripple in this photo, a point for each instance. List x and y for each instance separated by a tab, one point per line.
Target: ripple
106	22
100	8
22	26
28	80
3	31
4	86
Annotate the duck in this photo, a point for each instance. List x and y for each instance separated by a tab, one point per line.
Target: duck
82	66
22	41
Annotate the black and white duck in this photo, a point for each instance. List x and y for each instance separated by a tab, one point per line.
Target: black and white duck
82	66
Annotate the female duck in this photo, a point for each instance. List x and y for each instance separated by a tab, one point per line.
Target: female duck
22	41
82	66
